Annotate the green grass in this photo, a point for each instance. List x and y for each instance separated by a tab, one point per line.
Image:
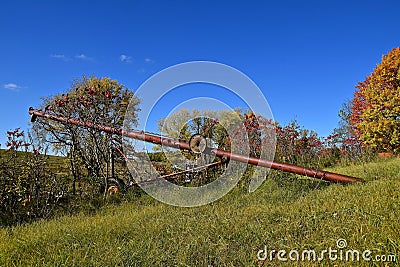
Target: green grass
281	214
56	164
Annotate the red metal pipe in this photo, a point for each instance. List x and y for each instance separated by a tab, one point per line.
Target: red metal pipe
171	142
286	167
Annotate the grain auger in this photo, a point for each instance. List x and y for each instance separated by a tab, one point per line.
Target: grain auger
198	144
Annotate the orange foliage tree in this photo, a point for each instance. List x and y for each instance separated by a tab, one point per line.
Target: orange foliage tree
375	108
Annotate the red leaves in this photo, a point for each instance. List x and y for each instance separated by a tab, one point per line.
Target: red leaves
251	122
332	136
16	140
81	100
83	97
91	90
374	103
88	102
108	94
16	133
14	144
66	99
60	103
20	134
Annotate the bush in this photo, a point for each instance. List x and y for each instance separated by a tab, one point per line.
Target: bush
28	189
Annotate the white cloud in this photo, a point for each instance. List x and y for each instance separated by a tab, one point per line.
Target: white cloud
12	86
61	57
69	58
83	57
125	58
148	60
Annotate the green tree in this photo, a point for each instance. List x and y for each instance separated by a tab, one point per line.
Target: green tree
375	108
220	128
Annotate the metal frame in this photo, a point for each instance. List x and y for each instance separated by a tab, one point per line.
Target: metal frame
184	145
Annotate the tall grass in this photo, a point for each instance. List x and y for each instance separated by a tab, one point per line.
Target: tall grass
283	213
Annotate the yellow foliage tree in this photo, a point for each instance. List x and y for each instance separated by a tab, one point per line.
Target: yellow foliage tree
375	108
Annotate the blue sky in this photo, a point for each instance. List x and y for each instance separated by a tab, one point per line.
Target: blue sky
306	56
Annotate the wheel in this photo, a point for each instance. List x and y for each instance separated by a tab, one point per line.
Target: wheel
114	186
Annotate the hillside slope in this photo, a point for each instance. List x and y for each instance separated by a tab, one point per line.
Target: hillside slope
281	214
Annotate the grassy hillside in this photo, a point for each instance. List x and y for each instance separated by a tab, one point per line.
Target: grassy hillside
56	164
281	214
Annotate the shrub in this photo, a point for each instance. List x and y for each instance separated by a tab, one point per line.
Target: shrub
28	189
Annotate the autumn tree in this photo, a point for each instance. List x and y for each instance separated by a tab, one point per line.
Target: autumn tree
183	124
99	101
222	129
210	123
375	108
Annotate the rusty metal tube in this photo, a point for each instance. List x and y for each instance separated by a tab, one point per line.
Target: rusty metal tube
179	144
286	167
